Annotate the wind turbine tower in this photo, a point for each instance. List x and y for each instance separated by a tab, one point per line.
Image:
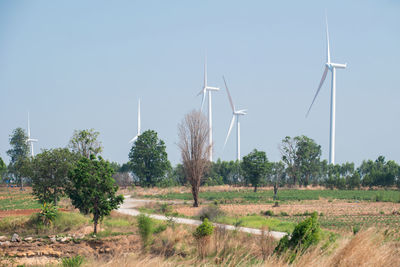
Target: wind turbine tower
208	89
236	114
30	140
332	67
138	126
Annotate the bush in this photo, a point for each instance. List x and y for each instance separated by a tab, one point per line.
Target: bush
203	230
146	229
269	213
165	208
210	212
73	261
305	234
48	214
284	213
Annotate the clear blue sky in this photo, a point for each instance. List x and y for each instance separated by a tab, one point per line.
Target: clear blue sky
84	64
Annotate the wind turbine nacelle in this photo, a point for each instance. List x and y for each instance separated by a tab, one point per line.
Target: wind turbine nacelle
241	112
338	66
209	88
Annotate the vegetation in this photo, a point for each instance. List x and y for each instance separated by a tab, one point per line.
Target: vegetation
75	261
146	229
49	173
85	143
255	166
193	143
3	170
18	155
149	159
48	214
92	189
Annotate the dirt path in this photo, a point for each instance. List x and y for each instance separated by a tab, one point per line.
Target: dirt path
129	205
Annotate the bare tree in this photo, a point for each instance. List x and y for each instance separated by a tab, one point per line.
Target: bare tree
193	143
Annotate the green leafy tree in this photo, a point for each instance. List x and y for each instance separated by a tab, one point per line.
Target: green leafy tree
255	166
149	159
86	143
277	176
3	170
92	189
18	153
308	157
49	173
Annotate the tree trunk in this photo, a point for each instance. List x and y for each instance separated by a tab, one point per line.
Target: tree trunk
55	197
95	222
195	192
255	188
275	191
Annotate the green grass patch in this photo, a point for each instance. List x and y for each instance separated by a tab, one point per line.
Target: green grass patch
266	196
257	221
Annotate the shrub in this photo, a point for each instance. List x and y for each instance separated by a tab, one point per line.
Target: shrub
269	213
160	228
210	212
48	214
356	229
203	230
305	234
165	208
73	261
146	229
284	213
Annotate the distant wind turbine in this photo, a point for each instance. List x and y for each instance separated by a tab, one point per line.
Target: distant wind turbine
203	91
138	126
30	140
236	113
332	67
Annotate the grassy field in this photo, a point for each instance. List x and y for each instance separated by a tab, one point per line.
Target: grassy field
13	199
266	196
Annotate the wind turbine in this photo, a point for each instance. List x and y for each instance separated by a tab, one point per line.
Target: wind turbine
237	114
332	67
203	91
30	140
138	126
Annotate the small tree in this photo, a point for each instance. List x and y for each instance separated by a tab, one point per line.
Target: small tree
202	234
92	189
255	167
146	229
49	173
3	170
19	154
193	143
277	176
149	158
85	143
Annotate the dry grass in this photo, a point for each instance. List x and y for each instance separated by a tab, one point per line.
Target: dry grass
177	248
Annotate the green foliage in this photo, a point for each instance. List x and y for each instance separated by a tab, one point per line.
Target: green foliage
255	167
146	229
92	189
160	228
85	143
210	212
49	174
269	213
18	153
48	214
204	229
149	159
3	170
305	234
379	172
75	261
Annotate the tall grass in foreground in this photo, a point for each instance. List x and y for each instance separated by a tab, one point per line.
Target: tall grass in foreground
367	248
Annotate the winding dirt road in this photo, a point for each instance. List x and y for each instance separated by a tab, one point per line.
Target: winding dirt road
130	204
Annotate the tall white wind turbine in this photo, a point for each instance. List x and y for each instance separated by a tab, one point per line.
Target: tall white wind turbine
30	140
236	114
138	126
204	91
332	67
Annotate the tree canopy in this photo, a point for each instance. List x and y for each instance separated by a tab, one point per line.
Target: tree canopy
18	154
149	159
255	166
49	173
86	143
92	189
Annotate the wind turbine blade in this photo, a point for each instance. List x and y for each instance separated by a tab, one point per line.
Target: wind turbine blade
319	88
328	53
139	122
230	129
134	139
203	100
229	95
